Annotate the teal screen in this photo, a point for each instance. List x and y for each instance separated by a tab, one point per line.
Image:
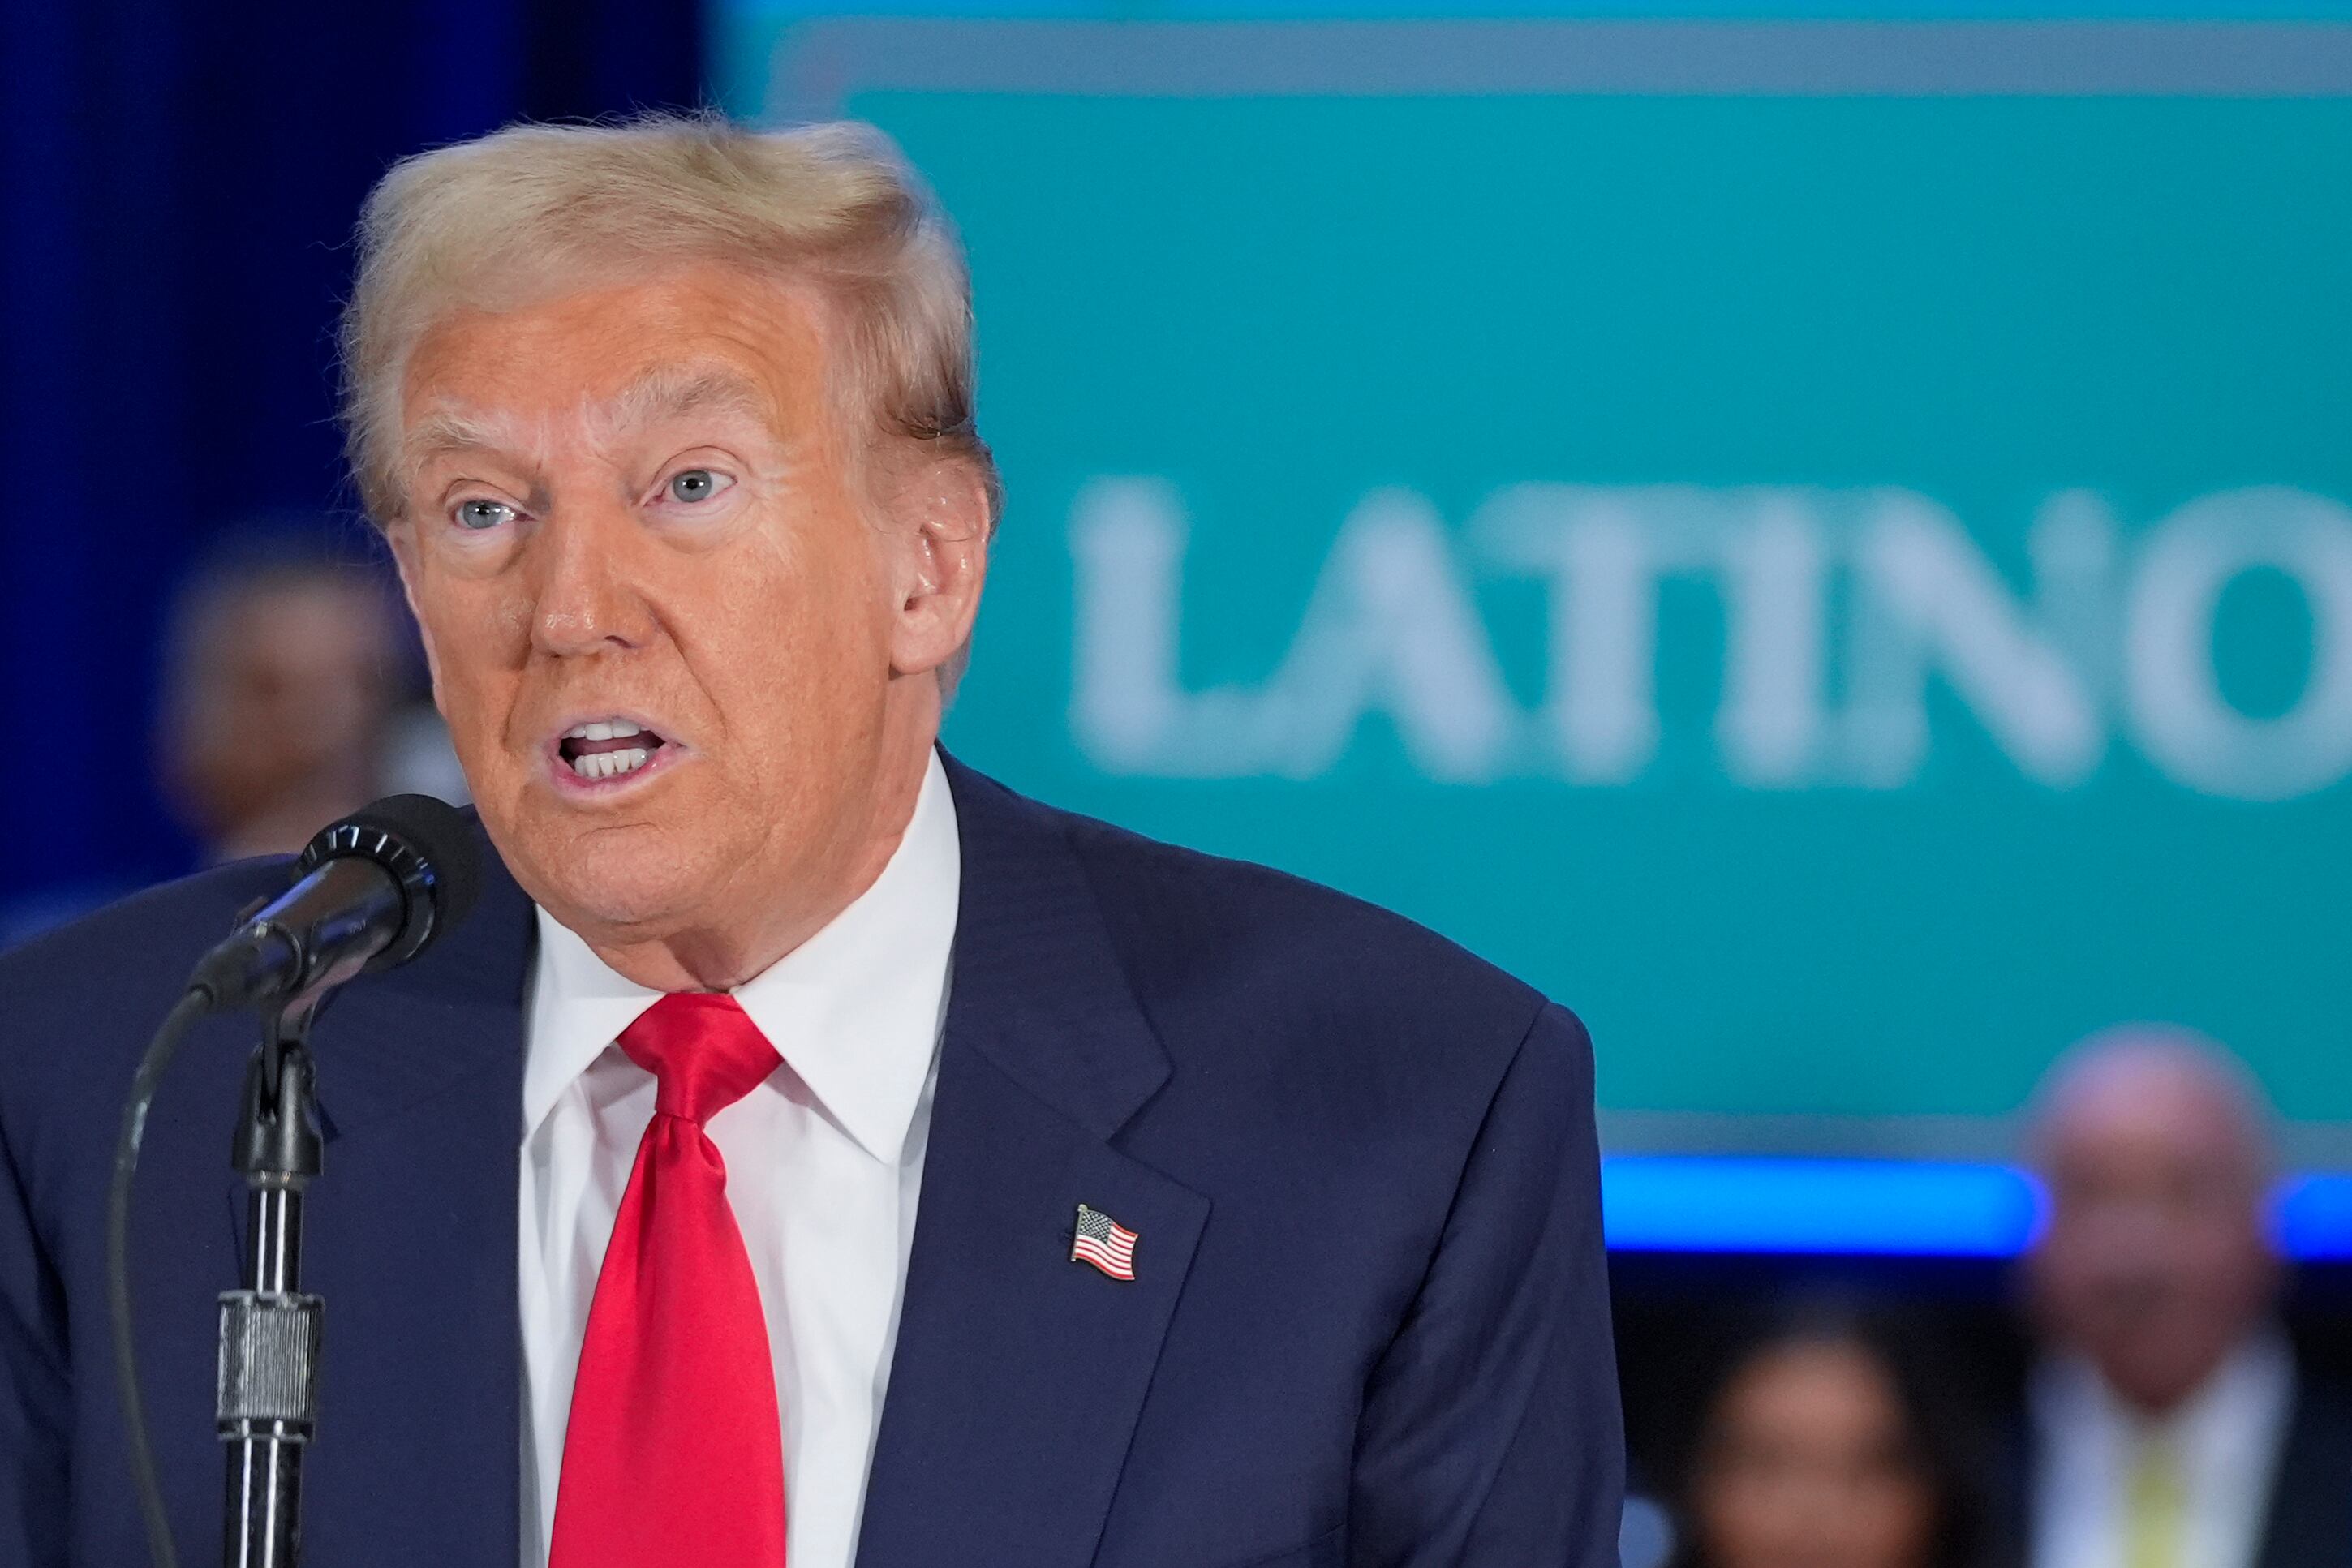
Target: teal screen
1844	579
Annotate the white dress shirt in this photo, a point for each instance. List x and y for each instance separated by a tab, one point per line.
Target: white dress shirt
824	1162
2227	1438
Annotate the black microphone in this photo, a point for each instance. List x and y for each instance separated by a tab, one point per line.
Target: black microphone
373	891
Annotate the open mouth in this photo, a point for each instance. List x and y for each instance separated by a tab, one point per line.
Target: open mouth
608	748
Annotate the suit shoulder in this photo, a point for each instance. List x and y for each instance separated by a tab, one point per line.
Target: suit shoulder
1287	949
132	957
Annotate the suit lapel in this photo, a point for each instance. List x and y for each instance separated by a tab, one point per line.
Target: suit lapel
411	1241
1018	1375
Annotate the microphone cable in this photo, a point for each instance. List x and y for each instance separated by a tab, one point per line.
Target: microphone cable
191	1007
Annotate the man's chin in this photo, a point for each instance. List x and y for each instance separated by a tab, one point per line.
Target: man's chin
609	892
611	910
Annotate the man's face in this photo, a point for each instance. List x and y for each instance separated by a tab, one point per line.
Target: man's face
2154	1263
669	633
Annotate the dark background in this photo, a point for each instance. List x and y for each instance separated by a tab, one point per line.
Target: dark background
178	185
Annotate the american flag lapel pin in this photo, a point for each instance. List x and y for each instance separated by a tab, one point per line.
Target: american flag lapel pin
1104	1242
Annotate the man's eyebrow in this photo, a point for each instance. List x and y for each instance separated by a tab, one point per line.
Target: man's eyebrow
672	391
452	429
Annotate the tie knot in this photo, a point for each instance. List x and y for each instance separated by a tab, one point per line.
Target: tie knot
703	1051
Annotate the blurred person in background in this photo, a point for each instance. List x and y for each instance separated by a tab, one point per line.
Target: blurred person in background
2168	1425
279	709
280	690
1829	1439
286	701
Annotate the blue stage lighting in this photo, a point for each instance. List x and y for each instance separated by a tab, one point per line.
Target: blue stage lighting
2314	1218
1658	1203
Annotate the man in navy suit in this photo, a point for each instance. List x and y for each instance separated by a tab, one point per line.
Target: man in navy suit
808	1148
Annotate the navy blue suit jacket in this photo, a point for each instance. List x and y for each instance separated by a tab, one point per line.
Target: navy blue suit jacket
1369	1324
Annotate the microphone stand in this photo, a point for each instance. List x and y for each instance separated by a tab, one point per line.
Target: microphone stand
268	1404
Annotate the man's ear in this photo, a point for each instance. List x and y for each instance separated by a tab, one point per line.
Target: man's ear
943	509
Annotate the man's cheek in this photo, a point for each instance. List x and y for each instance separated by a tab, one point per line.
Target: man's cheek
474	728
510	615
431	644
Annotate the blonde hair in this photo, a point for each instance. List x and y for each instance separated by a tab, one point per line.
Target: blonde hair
532	208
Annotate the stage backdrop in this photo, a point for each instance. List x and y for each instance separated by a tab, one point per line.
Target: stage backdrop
1824	545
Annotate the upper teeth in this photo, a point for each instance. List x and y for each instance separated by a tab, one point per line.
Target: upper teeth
603	729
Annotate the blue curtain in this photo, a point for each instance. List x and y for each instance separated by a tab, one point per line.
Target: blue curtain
177	188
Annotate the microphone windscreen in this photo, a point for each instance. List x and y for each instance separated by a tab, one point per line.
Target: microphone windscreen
432	849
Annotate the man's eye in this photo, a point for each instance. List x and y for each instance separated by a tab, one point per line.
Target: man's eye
479	514
696	485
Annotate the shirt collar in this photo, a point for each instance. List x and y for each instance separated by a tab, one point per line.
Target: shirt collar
2250	1391
855	1010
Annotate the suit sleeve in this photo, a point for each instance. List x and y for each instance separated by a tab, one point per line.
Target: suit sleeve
1490	1436
36	1396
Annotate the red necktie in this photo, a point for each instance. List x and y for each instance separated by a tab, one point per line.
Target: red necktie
674	1453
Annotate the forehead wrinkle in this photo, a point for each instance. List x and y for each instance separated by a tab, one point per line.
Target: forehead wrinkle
660	393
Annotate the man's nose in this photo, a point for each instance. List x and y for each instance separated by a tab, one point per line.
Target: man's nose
584	599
